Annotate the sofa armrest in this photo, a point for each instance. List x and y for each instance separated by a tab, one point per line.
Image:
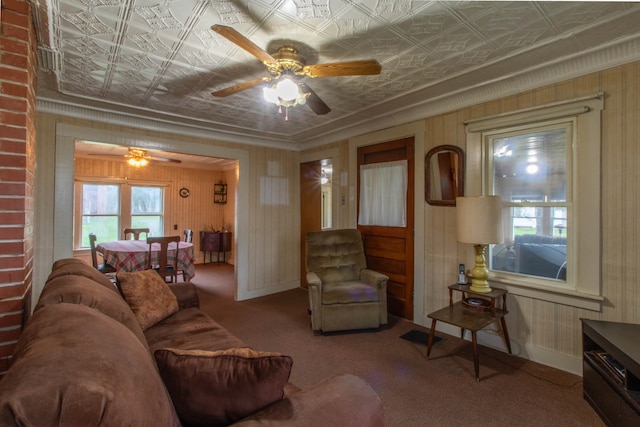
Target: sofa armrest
186	294
343	400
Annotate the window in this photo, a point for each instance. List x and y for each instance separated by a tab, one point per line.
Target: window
100	212
529	169
544	163
146	209
106	208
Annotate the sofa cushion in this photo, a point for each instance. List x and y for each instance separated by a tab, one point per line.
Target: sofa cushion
217	388
190	329
76	267
75	366
81	290
148	295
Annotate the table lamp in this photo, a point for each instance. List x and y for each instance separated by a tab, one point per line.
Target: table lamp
479	222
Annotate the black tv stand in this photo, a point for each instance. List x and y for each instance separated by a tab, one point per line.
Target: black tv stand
611	370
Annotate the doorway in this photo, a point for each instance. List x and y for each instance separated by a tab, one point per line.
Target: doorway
390	249
316	202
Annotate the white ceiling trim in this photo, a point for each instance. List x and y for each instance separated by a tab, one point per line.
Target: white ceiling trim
591	62
582	64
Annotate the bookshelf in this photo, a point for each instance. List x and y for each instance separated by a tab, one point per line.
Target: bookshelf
611	370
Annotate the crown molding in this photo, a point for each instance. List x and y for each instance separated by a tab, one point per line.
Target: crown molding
426	102
585	63
157	122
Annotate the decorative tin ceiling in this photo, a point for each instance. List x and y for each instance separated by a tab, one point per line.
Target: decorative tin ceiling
158	59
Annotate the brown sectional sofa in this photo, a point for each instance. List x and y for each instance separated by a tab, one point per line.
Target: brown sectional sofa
84	359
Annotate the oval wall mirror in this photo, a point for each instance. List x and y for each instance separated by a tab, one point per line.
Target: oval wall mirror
444	175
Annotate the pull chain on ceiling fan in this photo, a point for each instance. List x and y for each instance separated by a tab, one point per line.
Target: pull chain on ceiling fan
287	67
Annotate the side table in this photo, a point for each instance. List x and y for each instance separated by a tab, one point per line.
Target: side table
473	319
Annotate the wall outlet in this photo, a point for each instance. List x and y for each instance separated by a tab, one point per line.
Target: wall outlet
175	226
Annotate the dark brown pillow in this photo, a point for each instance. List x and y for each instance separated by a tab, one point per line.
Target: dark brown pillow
148	295
217	388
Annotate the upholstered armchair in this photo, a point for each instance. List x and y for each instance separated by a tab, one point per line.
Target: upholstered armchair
343	293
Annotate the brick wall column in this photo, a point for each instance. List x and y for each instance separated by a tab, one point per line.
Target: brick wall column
18	67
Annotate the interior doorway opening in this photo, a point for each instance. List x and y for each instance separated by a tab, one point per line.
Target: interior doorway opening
326	183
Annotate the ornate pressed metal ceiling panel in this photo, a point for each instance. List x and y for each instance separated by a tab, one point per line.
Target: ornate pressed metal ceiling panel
160	59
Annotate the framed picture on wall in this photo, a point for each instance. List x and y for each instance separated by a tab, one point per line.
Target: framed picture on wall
220	193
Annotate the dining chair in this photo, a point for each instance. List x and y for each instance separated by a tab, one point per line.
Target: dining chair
163	267
188	235
104	267
135	232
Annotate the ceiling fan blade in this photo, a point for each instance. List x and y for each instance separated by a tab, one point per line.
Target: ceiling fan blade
314	102
240	87
116	156
164	159
353	68
235	37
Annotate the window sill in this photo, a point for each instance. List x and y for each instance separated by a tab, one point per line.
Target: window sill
552	294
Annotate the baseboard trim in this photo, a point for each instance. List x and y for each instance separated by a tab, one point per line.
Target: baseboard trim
492	338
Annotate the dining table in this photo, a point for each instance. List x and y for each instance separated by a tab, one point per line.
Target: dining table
132	255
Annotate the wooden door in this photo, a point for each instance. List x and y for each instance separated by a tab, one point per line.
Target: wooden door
389	250
310	208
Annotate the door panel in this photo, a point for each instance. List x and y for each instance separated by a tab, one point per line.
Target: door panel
389	250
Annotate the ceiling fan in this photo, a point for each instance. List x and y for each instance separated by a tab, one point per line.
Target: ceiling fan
286	67
138	157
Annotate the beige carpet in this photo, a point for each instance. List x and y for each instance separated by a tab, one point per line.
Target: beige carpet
415	391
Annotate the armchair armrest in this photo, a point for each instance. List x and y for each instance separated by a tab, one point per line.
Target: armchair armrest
343	400
379	282
374	278
315	299
186	294
314	280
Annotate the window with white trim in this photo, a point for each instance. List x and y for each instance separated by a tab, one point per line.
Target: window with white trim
106	208
528	167
544	163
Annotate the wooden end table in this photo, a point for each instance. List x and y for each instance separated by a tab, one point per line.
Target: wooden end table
473	319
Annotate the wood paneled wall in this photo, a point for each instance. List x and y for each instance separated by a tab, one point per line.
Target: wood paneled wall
274	212
272	190
540	324
197	212
274	221
543	330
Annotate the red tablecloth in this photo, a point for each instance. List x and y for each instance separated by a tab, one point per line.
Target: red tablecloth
131	255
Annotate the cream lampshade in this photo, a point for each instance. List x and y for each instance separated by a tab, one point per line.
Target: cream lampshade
479	222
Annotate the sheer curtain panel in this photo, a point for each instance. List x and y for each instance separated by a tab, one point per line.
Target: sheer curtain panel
383	194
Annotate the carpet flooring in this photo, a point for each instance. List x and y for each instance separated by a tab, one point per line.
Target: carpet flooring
415	391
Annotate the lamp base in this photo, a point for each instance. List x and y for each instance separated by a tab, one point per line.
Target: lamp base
479	287
480	273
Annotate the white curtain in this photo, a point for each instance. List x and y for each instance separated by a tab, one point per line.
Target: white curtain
383	194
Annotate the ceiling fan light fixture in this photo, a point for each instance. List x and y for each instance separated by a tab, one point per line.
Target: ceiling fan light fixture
137	158
271	95
138	162
287	90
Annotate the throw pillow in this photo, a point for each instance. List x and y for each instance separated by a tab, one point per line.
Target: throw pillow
148	295
217	388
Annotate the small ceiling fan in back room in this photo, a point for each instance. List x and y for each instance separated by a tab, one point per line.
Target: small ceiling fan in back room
286	68
138	157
